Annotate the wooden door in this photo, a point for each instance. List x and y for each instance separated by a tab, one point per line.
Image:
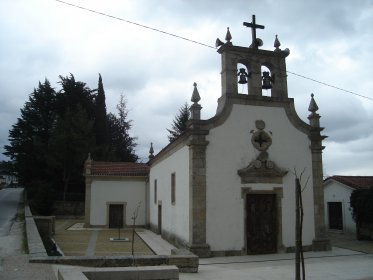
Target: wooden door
261	223
159	219
335	215
116	216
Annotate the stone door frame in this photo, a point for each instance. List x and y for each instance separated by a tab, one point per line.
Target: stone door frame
278	192
124	205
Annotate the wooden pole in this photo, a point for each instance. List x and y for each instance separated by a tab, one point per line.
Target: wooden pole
301	230
297	231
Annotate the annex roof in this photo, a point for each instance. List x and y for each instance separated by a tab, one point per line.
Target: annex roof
355	182
118	168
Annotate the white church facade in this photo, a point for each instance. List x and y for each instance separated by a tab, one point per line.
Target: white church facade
226	186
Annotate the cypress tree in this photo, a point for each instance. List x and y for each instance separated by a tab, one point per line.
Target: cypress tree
121	142
29	137
100	123
179	124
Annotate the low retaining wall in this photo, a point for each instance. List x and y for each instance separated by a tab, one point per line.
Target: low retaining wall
46	224
185	263
34	242
131	273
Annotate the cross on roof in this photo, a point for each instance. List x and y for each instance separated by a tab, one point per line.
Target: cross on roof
253	26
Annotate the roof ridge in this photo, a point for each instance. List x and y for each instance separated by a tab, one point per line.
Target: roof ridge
356	182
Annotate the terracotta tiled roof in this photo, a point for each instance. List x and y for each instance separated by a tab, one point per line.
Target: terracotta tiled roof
118	168
356	182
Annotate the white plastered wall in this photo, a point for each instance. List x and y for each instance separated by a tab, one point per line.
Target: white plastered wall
127	191
175	217
337	192
229	150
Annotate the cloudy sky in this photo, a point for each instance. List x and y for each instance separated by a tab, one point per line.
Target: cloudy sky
329	41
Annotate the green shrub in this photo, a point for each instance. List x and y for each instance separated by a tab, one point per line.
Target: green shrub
361	202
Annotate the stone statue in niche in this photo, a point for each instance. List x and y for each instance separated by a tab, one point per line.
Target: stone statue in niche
261	170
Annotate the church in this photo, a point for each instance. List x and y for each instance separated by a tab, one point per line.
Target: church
226	185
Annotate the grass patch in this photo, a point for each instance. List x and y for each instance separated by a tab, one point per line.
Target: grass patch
72	242
75	242
105	247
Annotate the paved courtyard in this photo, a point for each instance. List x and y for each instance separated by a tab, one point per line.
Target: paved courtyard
344	265
352	262
349	241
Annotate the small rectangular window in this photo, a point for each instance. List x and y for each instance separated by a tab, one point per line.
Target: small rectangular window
155	191
173	188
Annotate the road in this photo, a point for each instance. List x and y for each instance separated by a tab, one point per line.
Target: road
14	261
9	200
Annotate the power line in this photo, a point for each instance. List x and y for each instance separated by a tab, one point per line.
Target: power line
199	43
325	84
135	23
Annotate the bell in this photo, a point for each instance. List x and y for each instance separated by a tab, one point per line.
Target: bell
242	73
266	81
242	79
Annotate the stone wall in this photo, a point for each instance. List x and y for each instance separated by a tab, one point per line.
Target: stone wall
34	242
69	208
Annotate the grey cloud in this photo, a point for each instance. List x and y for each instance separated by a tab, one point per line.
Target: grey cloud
133	60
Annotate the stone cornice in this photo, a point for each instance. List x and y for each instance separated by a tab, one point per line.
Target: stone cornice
261	172
114	178
251	51
243	99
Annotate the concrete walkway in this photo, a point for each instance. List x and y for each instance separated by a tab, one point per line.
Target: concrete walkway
158	245
337	264
350	266
92	244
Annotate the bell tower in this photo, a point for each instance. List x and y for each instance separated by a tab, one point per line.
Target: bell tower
254	60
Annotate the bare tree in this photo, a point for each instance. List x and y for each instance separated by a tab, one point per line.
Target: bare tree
299	257
134	217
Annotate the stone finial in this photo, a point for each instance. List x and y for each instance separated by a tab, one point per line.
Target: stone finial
313	117
277	44
195	96
313	106
151	151
88	164
195	109
228	36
